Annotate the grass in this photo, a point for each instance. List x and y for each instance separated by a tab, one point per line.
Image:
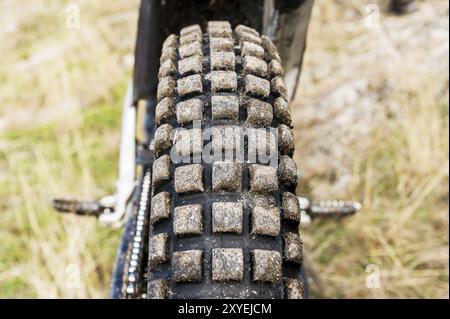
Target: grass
59	128
61	98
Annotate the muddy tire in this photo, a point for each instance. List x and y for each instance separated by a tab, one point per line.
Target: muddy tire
226	229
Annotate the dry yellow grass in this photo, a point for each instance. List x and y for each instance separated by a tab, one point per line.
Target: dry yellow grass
60	110
383	139
372	125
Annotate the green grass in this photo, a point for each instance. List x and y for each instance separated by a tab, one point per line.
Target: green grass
399	171
48	161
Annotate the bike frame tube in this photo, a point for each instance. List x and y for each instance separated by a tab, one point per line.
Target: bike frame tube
127	163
